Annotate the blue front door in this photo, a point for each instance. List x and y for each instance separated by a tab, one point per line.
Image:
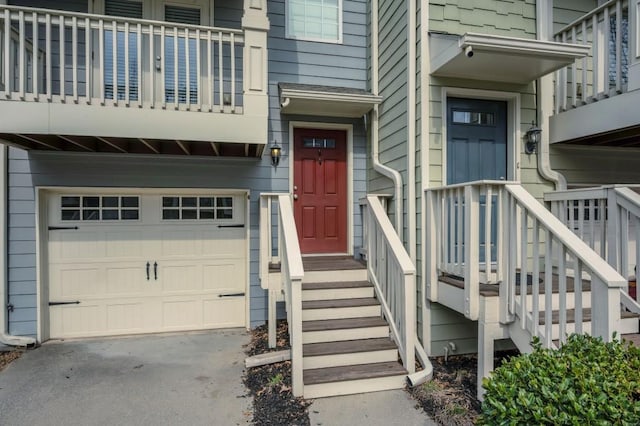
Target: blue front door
477	150
476	140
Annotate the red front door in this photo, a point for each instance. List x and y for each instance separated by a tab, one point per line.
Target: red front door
320	190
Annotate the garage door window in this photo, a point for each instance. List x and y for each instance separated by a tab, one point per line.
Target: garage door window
197	208
99	208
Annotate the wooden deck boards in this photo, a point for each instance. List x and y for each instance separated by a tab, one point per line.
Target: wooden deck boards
335	285
339	303
492	290
347	346
352	372
343	324
327	263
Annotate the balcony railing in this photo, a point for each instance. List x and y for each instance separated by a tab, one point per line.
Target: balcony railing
604	72
63	57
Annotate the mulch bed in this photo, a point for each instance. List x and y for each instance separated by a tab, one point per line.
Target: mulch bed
450	397
8	357
270	385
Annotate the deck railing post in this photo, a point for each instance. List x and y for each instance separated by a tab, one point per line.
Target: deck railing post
471	251
431	268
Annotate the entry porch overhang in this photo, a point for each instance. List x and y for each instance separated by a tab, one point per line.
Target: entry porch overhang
327	101
497	58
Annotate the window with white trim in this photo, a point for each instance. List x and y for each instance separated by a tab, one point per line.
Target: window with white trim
314	20
92	208
197	208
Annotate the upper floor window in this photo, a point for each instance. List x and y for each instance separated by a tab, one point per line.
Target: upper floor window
314	20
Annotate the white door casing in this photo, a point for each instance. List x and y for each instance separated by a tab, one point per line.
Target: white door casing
145	275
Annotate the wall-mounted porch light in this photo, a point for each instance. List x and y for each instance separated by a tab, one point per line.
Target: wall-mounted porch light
532	139
276	151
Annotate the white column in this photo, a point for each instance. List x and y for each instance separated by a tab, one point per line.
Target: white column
634	45
255	82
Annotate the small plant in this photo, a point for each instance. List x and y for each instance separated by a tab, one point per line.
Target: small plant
586	381
276	380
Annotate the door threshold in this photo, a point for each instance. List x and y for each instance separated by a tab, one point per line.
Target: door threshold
325	254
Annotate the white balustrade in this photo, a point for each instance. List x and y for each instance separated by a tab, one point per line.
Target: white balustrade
393	276
604	72
607	218
55	56
497	232
279	243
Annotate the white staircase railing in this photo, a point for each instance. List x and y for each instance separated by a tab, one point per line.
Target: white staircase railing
496	232
607	218
604	72
283	245
393	276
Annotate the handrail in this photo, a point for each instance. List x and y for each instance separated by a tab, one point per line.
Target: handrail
497	232
607	218
586	16
287	249
393	275
118	61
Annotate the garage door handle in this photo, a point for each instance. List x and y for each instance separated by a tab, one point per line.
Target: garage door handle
155	271
231	226
231	295
148	271
76	302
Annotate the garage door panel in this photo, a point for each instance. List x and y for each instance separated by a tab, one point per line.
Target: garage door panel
83	280
78	320
181	278
127	317
78	245
128	243
223	243
228	312
224	276
126	281
185	314
180	243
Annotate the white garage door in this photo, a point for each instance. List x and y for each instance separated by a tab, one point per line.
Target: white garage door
140	263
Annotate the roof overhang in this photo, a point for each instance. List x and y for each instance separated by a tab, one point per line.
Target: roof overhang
498	58
328	101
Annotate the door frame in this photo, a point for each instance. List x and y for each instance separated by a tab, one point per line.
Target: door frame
42	241
348	128
514	133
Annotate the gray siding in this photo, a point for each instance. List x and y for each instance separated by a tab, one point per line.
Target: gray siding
588	166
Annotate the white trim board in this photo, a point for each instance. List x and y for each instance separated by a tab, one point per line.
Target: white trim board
514	134
329	126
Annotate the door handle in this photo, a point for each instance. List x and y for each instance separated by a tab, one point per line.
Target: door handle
148	271
155	271
295	196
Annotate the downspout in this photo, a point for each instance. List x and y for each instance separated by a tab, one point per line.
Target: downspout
392	174
411	131
425	140
5	338
544	99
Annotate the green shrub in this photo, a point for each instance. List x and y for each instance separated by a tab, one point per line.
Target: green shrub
585	382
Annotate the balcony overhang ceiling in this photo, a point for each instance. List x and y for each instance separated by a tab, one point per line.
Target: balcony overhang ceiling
119	145
328	101
498	58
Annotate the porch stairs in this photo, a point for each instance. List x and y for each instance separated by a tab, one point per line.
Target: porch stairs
346	347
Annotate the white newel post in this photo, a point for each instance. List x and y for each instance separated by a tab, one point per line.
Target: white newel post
605	309
255	25
471	252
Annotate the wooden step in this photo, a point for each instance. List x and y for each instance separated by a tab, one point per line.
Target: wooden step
344	329
350	352
353	379
337	290
340	308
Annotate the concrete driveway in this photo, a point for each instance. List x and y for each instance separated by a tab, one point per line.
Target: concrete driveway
191	379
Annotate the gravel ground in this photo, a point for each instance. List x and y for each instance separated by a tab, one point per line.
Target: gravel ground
450	397
7	357
270	385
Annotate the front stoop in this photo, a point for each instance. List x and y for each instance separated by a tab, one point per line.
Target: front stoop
346	344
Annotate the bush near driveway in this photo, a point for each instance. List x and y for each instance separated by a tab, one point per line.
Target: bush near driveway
585	381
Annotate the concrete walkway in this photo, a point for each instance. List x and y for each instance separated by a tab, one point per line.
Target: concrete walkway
190	379
387	408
